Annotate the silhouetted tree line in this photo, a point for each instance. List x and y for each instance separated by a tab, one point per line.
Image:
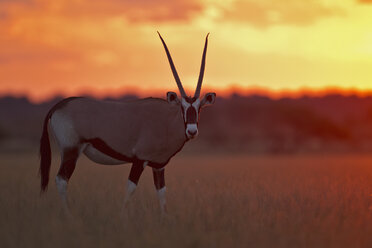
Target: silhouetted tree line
254	124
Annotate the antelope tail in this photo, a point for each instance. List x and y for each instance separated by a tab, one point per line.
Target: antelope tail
45	155
45	151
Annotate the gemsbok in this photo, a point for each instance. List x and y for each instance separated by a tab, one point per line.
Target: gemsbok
144	132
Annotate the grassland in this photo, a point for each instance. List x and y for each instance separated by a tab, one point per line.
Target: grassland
213	201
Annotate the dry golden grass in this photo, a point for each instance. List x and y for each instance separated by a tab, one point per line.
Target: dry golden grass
223	201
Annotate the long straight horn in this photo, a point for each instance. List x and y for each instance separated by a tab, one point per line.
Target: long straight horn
175	74
202	68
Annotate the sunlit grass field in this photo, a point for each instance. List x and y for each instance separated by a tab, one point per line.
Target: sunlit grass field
213	201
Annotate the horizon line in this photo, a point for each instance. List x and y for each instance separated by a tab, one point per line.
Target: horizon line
227	92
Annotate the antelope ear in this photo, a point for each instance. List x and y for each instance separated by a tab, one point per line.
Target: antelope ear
172	97
208	99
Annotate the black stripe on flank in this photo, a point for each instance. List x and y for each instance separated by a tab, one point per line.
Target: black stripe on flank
102	146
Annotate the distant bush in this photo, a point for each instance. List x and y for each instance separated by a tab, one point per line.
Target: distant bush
309	123
369	115
3	134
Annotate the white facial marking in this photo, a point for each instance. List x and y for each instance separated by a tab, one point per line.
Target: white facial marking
191	131
185	105
196	104
192	128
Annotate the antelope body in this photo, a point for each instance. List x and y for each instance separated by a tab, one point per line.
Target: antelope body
145	132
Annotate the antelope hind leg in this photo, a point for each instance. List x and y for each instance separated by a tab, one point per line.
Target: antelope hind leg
69	158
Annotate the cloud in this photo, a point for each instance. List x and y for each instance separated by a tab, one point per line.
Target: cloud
17	1
3	15
265	13
365	1
75	32
158	10
134	11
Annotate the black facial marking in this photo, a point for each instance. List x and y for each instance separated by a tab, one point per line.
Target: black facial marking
190	100
159	181
68	164
191	115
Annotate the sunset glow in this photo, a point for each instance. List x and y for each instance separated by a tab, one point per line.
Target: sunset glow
108	48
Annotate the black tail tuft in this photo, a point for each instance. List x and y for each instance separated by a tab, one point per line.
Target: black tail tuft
45	155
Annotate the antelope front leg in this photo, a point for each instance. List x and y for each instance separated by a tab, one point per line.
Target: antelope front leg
134	175
160	188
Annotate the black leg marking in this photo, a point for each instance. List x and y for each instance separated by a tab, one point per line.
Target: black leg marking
159	180
69	158
136	171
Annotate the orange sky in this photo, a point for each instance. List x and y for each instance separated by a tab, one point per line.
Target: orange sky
111	47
